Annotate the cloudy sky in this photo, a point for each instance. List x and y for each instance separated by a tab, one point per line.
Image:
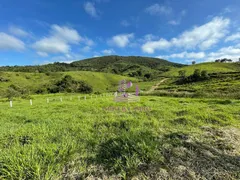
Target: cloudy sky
44	31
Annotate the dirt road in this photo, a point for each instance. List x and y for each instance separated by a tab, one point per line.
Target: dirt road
156	86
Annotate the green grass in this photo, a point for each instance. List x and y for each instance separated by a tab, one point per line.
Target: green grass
101	82
222	86
209	67
170	138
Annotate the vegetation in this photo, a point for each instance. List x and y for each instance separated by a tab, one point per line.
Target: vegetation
198	75
156	138
133	66
171	138
210	67
68	84
23	84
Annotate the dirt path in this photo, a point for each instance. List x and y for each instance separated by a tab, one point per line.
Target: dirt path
156	86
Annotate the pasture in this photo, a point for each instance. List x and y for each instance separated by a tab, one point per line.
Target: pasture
158	137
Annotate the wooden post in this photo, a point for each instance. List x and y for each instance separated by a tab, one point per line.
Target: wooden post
11	104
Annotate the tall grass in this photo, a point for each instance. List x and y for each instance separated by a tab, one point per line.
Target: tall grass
175	137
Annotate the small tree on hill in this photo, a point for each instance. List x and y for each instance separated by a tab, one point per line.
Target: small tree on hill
204	75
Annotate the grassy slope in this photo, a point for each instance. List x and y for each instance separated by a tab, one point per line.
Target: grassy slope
210	67
174	139
224	85
33	81
124	65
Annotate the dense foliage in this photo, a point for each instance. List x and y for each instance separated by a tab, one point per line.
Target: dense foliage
131	66
68	84
197	75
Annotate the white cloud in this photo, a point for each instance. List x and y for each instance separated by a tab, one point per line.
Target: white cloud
59	41
86	49
183	12
51	45
90	9
18	31
67	58
202	37
178	20
65	33
157	9
43	54
230	52
88	41
233	37
125	23
150	37
174	22
193	55
121	40
108	51
8	42
151	46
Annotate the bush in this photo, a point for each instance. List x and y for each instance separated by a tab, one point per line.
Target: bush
68	84
198	75
84	87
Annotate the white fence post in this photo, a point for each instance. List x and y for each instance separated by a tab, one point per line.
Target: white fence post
31	102
47	100
11	104
85	97
61	99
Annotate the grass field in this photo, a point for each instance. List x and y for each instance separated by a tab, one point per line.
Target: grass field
210	67
101	82
156	138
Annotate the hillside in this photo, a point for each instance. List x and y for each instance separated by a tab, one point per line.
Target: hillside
210	67
125	65
134	66
35	82
223	81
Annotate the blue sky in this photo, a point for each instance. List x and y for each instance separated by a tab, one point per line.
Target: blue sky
44	31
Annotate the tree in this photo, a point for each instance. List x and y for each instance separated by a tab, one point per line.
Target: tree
204	75
196	75
148	75
182	73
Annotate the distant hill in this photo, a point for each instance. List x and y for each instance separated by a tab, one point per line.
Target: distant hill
134	66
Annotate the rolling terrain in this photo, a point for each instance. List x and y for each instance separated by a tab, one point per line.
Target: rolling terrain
193	135
33	82
156	138
134	66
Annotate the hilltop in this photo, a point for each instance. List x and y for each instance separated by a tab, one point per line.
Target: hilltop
133	66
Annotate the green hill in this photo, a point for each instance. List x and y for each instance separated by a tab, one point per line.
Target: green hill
210	67
125	65
34	82
133	66
222	81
